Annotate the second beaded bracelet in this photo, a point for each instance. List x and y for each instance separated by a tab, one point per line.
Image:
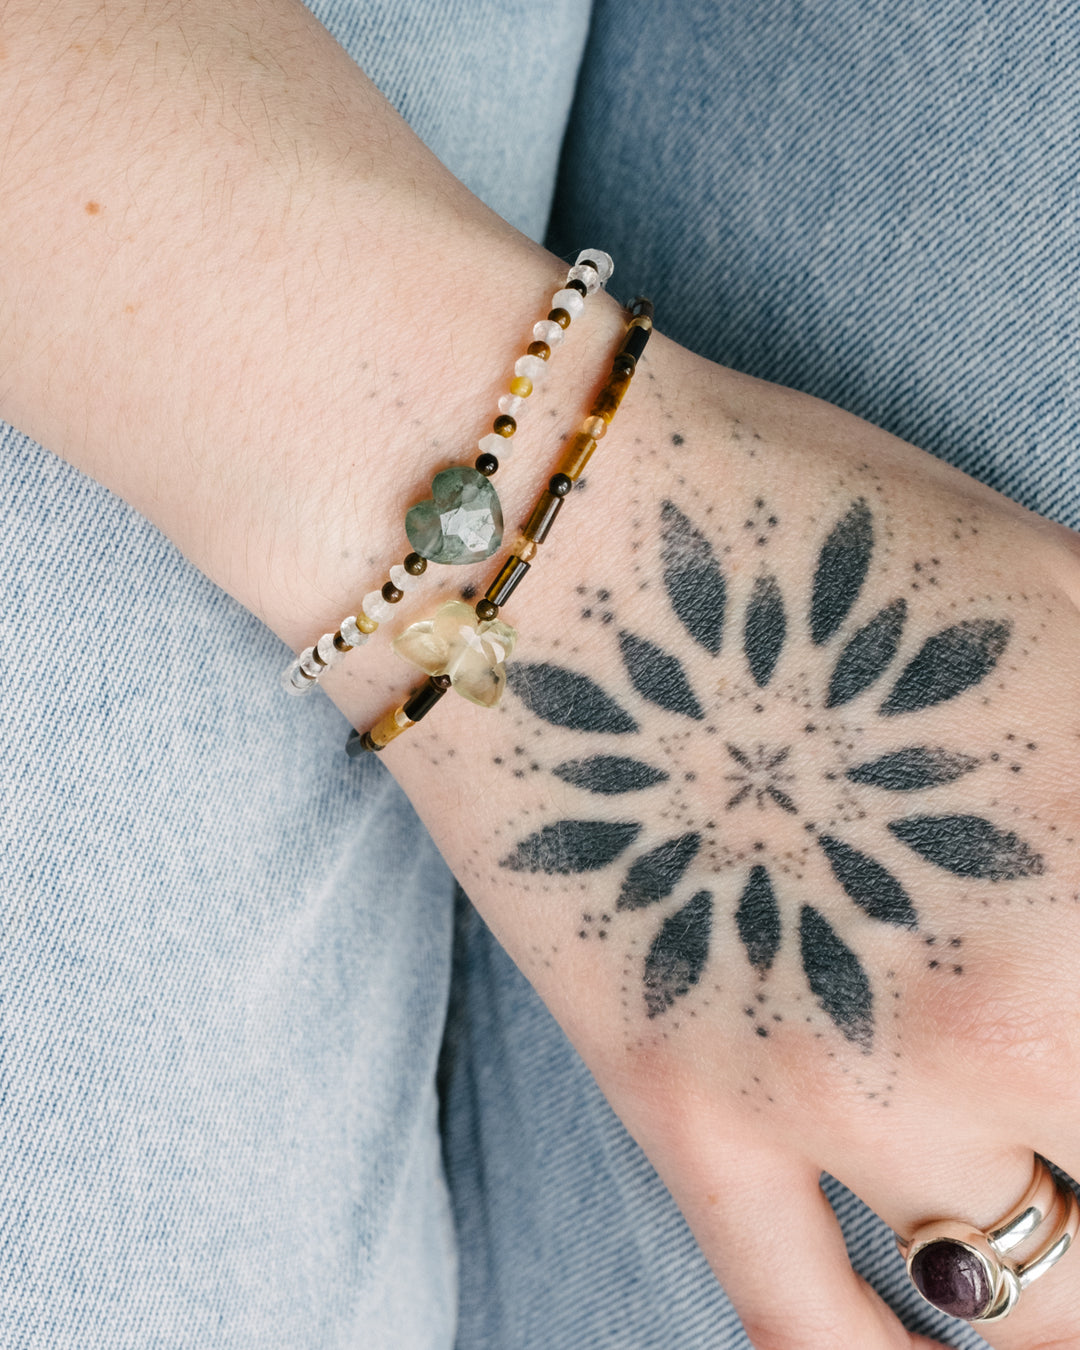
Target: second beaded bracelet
466	648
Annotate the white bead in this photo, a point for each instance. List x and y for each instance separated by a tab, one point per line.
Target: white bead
329	653
589	275
604	264
572	301
547	330
404	581
532	367
294	681
354	636
510	404
308	664
375	607
502	447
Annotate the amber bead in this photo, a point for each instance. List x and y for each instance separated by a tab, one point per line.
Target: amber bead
560	316
578	286
390	593
415	564
388	726
504	425
525	549
365	624
521	386
609	398
486	610
540	349
341	644
486	464
577	455
505	583
543	517
420	703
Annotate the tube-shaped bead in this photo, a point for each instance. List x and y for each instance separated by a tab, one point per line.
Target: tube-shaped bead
389	725
609	398
636	339
543	516
576	455
511	572
420	703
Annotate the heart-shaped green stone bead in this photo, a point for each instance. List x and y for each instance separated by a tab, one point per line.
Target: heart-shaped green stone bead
461	522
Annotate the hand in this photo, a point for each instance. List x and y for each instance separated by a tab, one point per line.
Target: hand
779	816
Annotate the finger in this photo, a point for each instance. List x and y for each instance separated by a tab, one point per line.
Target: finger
774	1242
980	1187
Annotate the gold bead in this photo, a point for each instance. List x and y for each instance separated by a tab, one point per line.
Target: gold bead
365	624
521	386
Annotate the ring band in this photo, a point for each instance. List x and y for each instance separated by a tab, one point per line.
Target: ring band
968	1272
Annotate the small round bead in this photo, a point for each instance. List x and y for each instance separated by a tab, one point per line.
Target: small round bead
545	330
624	364
365	624
510	405
530	366
504	426
520	386
571	301
403	579
310	664
540	349
588	276
559	316
602	261
501	447
559	485
295	682
595	427
577	285
416	564
441	681
351	631
525	549
326	648
375	607
486	464
390	593
486	611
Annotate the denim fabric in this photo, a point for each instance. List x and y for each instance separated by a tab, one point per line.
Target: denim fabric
222	992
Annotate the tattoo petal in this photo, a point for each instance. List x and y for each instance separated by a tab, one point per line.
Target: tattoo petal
758	919
915	767
866	655
658	872
969	846
765	629
658	676
609	774
678	954
692	578
841	570
836	978
571	846
566	698
948	663
872	886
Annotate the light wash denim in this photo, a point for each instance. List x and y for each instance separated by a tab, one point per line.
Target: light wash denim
265	1083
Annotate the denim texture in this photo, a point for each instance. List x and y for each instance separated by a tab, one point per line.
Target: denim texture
223	991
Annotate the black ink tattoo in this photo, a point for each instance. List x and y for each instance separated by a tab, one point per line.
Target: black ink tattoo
678	954
609	774
836	977
841	570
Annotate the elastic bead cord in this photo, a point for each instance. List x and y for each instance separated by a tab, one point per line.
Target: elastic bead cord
536	529
589	274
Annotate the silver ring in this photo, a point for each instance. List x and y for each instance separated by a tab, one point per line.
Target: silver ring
972	1273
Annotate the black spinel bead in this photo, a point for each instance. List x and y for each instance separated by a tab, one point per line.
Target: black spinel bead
578	286
415	565
391	594
560	485
486	464
504	425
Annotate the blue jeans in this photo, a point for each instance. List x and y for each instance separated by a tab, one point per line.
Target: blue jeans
264	1083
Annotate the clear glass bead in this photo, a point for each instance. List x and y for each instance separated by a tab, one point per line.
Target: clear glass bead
532	367
354	636
326	649
405	581
547	330
589	275
509	404
502	447
375	607
572	301
294	681
308	664
604	264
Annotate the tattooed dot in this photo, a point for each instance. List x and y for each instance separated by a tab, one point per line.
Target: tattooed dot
676	439
468	592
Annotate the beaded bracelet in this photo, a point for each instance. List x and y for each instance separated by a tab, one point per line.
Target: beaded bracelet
465	649
462	520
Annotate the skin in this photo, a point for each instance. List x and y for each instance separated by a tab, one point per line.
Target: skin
778	813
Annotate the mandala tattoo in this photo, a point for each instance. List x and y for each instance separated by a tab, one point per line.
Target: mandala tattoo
767	910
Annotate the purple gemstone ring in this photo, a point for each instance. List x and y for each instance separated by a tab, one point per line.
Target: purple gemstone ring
979	1274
